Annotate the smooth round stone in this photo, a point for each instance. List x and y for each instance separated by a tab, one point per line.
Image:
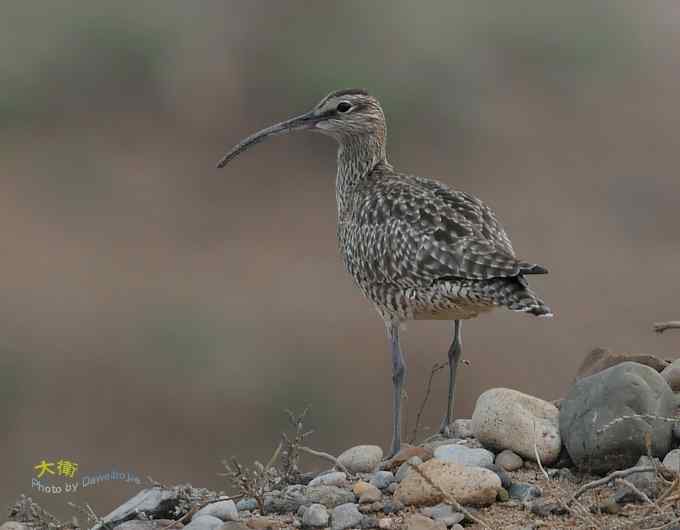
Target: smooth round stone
382	479
246	504
346	516
316	516
459	454
524	492
225	510
360	487
335	478
420	522
672	460
508	419
672	375
371	494
361	458
443	512
595	439
509	460
466	484
392	487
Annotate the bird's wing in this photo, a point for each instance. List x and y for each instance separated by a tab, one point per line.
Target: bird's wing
452	234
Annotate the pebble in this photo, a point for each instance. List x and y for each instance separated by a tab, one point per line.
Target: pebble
509	460
248	504
544	508
369	521
360	487
204	522
361	458
334	478
386	523
443	512
371	508
224	510
672	460
405	468
506	481
508	419
392	506
316	516
420	522
468	485
346	516
295	496
370	494
503	495
462	428
524	492
459	454
382	479
392	487
595	443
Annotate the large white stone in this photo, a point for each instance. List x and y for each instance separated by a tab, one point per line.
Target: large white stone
508	419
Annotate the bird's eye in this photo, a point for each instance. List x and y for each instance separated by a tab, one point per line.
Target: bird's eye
343	106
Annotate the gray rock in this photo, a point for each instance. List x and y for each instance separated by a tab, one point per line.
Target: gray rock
524	492
155	524
225	510
369	521
392	506
295	496
405	468
459	454
346	516
335	478
246	505
509	460
392	487
595	443
382	479
672	460
462	428
371	507
444	513
544	508
420	522
644	481
205	522
156	502
361	458
316	516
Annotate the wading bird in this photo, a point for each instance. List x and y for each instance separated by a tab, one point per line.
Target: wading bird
416	249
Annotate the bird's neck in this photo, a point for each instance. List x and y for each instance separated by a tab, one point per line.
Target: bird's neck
357	158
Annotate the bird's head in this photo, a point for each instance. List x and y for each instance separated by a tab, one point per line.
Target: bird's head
343	114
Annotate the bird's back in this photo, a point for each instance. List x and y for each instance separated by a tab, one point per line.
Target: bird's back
418	249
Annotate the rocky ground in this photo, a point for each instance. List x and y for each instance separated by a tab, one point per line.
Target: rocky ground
518	463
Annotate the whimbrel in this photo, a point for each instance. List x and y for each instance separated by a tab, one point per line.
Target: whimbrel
416	249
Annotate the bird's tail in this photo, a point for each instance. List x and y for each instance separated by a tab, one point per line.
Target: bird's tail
515	294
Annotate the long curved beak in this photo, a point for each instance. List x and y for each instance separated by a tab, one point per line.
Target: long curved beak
298	123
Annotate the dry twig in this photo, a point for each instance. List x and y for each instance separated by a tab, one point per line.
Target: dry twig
612	476
436	368
325	456
660	327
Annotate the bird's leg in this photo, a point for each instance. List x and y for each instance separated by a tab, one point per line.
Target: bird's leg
454	355
398	376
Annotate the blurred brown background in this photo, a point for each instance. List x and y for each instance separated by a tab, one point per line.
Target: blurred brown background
157	314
